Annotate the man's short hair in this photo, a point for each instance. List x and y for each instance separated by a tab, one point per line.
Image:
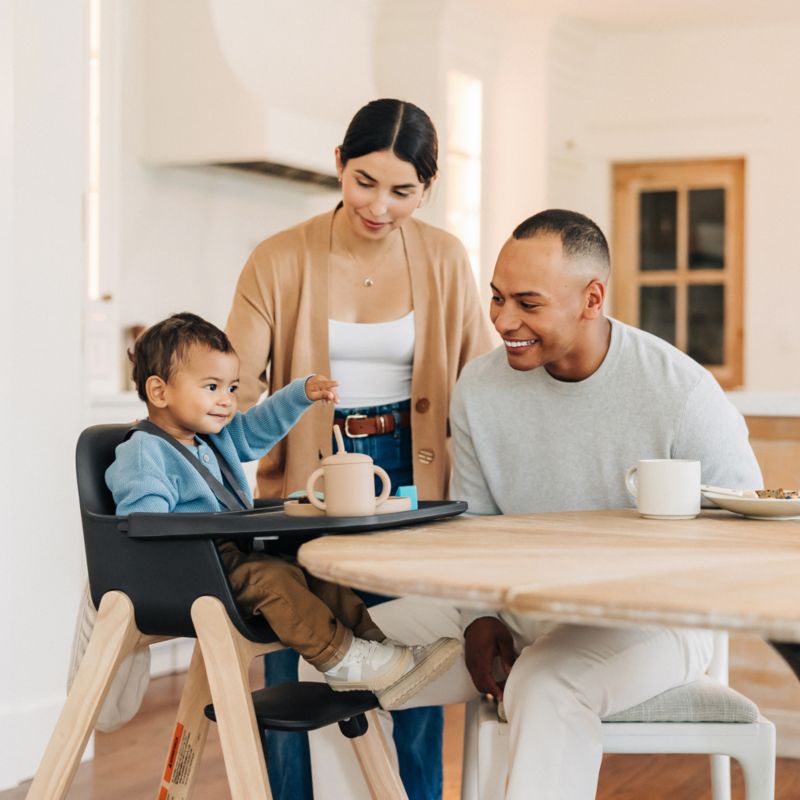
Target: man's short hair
164	346
580	236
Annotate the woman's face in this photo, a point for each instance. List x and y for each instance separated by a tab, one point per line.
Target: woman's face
379	192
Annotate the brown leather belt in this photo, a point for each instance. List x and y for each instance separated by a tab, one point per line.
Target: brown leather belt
357	426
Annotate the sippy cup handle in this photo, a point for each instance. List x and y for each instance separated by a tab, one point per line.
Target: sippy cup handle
312	496
387	486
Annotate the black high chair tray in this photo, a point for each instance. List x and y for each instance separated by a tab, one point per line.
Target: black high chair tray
270	523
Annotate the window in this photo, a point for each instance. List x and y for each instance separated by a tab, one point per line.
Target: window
678	257
463	194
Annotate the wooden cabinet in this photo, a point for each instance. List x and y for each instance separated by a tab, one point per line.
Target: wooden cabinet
776	443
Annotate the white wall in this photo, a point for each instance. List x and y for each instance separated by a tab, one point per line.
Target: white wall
515	125
183	233
711	91
42	62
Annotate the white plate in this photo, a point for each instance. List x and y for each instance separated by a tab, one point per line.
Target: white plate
756	507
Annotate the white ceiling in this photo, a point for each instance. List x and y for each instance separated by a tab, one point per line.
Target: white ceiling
650	14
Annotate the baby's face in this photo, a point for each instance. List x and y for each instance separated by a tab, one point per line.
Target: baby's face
201	394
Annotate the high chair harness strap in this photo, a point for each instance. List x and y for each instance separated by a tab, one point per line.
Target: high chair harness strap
235	500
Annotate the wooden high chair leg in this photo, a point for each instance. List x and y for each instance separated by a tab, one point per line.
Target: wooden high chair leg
380	770
114	636
226	655
189	734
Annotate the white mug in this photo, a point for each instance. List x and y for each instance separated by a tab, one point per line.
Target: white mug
665	488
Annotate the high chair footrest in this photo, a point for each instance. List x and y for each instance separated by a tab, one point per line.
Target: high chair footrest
305	706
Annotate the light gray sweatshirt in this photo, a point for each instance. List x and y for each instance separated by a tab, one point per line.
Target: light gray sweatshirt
525	442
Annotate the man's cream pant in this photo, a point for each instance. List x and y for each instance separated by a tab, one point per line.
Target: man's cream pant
567	677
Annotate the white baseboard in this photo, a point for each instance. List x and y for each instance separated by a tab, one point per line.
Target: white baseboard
171	656
24	733
25	729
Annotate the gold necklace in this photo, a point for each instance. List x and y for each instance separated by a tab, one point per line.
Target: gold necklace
369	280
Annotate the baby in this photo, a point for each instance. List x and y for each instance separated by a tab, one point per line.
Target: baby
189	455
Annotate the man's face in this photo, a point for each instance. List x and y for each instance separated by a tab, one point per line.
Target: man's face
538	303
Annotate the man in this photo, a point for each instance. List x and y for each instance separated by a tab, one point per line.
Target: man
550	421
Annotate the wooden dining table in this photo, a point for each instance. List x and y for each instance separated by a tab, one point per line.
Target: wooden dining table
717	571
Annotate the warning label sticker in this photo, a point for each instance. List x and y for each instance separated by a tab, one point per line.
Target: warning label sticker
179	761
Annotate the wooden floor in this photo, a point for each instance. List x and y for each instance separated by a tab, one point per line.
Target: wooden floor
128	762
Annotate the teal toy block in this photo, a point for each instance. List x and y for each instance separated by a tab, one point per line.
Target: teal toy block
410	492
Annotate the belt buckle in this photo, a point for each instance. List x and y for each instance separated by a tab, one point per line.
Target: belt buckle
347	426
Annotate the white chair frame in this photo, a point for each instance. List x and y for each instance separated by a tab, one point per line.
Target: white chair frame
751	744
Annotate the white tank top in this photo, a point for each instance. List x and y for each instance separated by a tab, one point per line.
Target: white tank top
372	360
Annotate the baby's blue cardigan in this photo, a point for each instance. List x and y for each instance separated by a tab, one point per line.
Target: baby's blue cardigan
149	474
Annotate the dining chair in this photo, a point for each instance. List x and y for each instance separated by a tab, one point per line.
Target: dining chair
706	716
159	576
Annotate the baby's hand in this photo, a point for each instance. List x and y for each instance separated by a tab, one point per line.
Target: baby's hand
318	387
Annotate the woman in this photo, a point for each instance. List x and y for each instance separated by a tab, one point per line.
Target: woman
386	305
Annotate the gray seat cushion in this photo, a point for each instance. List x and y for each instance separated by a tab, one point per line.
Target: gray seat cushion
705	700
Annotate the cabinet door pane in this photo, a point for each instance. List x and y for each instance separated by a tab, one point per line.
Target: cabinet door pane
657	311
658	214
706	333
706	228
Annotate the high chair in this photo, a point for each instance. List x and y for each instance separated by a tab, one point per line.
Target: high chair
159	576
702	717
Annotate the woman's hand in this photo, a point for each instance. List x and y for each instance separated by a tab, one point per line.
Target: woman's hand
318	387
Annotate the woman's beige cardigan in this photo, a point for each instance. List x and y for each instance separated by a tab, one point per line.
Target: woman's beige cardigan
279	327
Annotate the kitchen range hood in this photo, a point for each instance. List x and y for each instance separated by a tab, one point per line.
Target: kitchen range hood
260	85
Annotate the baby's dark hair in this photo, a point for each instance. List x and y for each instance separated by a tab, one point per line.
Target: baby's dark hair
163	346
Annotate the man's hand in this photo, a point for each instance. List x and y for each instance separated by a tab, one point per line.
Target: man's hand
318	387
485	640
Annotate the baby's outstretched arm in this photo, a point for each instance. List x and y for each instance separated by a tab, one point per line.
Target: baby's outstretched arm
261	427
318	387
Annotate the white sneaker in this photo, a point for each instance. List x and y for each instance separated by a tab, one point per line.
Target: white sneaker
373	666
428	662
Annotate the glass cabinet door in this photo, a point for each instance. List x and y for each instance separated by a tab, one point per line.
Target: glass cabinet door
677	257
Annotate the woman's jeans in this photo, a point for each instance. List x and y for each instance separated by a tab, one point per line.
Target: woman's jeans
418	731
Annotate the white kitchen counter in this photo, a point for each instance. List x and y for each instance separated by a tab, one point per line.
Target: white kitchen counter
766	404
116	407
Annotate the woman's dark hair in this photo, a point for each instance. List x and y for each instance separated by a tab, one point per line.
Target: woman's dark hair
163	346
394	125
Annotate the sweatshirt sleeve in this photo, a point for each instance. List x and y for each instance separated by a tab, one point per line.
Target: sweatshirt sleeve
713	432
138	479
258	430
